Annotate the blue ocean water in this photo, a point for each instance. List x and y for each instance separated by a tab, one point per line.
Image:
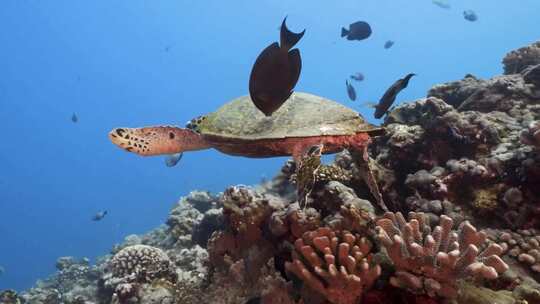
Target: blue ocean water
140	62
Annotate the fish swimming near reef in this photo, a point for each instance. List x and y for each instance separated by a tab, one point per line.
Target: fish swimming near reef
276	72
99	216
357	31
74	118
470	15
2	270
173	159
358	77
351	92
388	44
441	4
390	95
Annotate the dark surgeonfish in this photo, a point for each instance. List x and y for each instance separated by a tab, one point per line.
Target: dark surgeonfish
388	44
173	159
99	216
390	96
74	118
470	15
441	4
350	90
358	77
357	31
276	72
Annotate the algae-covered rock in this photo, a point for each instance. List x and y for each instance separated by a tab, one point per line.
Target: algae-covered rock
470	294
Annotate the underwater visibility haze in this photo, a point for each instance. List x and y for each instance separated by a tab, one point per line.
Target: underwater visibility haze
72	71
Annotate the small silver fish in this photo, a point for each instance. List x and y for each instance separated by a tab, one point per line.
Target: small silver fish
173	159
2	270
74	118
99	216
388	44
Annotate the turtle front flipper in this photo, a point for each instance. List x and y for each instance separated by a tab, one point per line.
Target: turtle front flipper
157	140
307	166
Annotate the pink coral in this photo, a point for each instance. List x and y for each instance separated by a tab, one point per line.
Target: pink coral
335	264
432	261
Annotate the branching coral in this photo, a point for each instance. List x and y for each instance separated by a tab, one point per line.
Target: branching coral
335	264
432	261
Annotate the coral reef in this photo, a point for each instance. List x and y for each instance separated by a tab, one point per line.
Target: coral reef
517	60
431	262
465	156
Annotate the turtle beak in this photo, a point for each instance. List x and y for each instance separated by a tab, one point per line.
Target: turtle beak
121	138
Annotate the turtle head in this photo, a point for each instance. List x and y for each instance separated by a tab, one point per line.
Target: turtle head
157	140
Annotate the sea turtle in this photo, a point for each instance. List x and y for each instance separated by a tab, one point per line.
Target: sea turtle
239	128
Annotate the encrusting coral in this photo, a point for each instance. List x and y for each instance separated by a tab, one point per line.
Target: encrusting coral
431	262
336	264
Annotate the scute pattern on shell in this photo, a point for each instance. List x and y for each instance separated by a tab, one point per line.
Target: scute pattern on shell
142	263
302	115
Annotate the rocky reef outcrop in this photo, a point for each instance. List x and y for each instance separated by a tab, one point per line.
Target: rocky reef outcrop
463	163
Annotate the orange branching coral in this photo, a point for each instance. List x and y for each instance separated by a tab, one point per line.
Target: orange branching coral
431	262
335	264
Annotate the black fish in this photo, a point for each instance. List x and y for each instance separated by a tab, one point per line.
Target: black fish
173	159
99	216
74	118
470	15
357	31
358	77
350	91
390	95
276	72
388	44
441	4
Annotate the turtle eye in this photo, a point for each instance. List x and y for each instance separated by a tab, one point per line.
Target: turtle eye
120	132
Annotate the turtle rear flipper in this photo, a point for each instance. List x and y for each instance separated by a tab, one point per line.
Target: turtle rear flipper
157	140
